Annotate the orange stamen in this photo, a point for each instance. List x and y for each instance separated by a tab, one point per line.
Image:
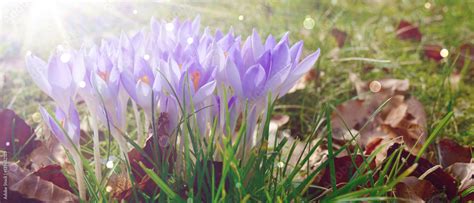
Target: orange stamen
145	79
195	76
104	75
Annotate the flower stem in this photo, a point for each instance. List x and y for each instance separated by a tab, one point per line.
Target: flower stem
138	123
79	174
95	139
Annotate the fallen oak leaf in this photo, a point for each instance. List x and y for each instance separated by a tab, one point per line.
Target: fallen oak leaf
340	36
151	157
407	120
31	186
451	152
412	189
426	170
433	52
408	31
117	184
466	55
49	152
346	167
464	173
16	136
53	173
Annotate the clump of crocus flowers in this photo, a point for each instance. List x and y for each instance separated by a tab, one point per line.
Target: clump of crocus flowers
174	68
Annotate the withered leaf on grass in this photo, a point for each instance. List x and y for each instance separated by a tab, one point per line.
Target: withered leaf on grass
408	31
451	152
440	179
31	186
412	189
118	183
345	169
53	173
433	52
151	157
407	120
15	135
464	173
403	116
48	152
466	55
340	36
164	151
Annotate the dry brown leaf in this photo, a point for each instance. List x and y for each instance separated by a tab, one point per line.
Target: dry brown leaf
464	174
407	120
433	52
49	152
451	152
412	189
340	37
117	184
16	136
408	31
33	187
402	116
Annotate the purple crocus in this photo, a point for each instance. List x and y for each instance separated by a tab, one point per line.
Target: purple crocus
140	84
64	125
258	69
54	78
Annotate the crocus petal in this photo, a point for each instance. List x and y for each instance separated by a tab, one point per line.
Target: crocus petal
257	46
129	84
37	69
204	92
270	43
254	79
295	51
53	126
233	77
280	58
59	74
306	64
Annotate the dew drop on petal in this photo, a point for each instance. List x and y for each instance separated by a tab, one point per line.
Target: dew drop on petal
60	47
146	57
308	23
169	27
7	144
444	53
190	40
109	164
65	57
82	84
375	86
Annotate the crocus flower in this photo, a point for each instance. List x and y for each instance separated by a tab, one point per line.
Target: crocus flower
139	83
64	125
259	69
54	78
172	69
